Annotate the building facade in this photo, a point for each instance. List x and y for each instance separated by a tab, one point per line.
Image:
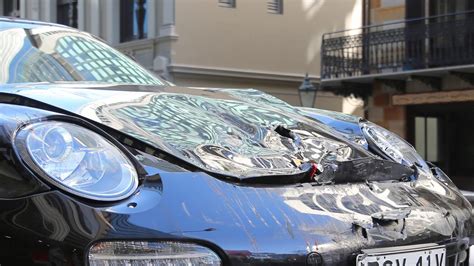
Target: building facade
262	44
413	62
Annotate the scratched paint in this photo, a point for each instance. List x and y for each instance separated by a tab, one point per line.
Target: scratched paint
274	223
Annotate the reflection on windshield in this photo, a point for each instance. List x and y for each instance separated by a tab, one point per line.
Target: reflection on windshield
52	54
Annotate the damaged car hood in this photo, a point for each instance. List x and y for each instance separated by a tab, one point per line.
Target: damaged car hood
267	224
238	133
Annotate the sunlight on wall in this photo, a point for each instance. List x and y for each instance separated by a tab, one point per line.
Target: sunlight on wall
328	16
311	7
351	105
313	48
354	18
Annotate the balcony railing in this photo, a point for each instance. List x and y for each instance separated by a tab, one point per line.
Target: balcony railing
425	43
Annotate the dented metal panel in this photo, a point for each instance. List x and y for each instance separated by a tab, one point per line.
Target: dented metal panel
284	224
361	204
230	132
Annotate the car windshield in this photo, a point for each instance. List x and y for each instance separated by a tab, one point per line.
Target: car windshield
58	54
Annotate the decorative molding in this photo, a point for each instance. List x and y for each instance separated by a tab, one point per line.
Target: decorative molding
142	43
135	44
237	73
433	97
167	31
166	38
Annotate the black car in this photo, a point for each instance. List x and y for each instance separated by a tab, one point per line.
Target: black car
103	163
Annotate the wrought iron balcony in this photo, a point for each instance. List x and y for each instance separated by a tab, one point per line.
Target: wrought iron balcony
418	44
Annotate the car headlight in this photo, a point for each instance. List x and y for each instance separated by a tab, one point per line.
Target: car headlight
392	146
77	160
150	253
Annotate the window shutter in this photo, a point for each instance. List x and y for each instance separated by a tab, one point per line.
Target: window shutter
275	6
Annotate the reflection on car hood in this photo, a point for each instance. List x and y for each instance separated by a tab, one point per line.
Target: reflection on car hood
241	133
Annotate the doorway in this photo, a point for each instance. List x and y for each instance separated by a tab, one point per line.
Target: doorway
444	135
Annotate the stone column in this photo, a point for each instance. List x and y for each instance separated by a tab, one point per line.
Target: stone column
166	37
23	8
81	9
152	18
94	17
34	10
167	23
49	11
112	16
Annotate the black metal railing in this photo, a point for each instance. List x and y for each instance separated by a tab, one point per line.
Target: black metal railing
423	43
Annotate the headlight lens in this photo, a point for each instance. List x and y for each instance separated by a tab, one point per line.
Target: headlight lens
393	146
78	160
151	253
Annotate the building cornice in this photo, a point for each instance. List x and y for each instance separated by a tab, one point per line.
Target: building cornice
237	73
135	44
144	43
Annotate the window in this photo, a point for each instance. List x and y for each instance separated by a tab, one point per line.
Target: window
133	17
67	13
426	138
11	8
227	3
275	6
